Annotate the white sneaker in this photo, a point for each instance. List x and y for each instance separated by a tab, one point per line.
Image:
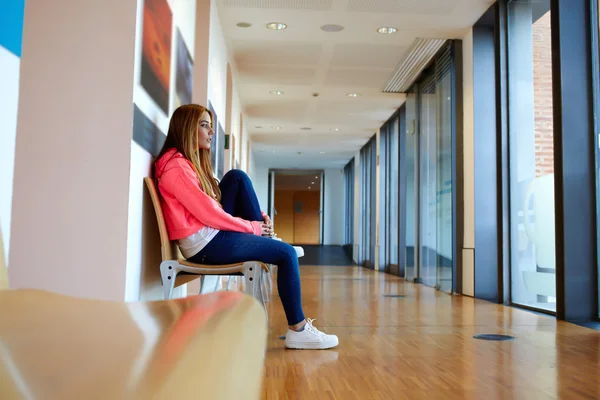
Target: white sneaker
310	338
299	250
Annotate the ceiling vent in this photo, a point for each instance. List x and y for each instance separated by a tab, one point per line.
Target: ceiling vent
416	59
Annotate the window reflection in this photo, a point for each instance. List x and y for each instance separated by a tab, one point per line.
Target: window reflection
531	155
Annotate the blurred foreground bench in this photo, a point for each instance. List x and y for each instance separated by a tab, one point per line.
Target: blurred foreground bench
209	346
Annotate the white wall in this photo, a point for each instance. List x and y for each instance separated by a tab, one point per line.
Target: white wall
9	100
217	67
333	213
260	180
70	198
11	18
143	242
143	256
469	165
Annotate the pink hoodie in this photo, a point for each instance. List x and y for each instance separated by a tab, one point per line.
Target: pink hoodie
186	208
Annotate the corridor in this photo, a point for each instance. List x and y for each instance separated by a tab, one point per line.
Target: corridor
421	346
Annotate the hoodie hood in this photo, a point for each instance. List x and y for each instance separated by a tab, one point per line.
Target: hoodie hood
162	164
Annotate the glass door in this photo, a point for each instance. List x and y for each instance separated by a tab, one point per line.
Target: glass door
531	149
444	182
435	174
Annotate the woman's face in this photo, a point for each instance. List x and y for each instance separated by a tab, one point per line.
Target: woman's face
205	131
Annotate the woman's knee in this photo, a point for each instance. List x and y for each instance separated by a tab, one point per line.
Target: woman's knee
289	253
236	174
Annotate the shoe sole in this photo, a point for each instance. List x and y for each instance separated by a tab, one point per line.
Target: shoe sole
316	346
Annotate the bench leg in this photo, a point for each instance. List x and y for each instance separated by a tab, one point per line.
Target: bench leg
201	283
269	276
168	273
252	275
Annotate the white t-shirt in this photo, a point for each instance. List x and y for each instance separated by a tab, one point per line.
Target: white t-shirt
192	244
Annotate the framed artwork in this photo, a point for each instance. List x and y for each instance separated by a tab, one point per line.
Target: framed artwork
156	51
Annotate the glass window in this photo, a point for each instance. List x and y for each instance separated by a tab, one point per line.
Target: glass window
531	174
410	179
435	174
368	155
388	166
349	203
373	200
384	197
392	201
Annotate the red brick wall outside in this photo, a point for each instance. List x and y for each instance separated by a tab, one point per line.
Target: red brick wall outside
542	86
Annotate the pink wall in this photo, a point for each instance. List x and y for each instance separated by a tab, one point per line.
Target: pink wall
71	183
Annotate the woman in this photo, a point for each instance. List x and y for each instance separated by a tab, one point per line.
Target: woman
221	223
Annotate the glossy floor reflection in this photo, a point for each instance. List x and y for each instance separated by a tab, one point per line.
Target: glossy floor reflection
421	346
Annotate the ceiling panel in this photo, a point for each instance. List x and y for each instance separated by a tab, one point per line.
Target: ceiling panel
429	7
355	79
277	111
367	55
276	53
313	5
259	74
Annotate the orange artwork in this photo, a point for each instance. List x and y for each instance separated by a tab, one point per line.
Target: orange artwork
156	51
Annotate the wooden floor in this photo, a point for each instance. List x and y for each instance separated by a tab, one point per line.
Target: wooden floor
421	346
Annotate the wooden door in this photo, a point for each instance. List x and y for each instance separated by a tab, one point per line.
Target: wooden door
307	218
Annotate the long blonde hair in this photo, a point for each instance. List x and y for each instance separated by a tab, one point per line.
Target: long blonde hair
183	136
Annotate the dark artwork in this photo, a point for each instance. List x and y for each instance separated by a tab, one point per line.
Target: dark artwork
184	76
156	51
221	150
146	133
214	144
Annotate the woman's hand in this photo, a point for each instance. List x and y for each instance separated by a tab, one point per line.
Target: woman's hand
267	226
267	220
266	229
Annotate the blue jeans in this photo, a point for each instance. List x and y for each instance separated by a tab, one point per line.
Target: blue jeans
239	199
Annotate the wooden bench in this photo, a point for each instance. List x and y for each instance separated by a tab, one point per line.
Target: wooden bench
208	346
176	271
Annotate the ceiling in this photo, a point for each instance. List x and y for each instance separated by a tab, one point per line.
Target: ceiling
300	130
296	182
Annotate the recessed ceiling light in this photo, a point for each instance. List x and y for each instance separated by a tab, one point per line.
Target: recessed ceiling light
278	128
387	30
244	24
322	152
316	177
276	26
352	94
276	92
335	129
312	183
309	187
332	28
